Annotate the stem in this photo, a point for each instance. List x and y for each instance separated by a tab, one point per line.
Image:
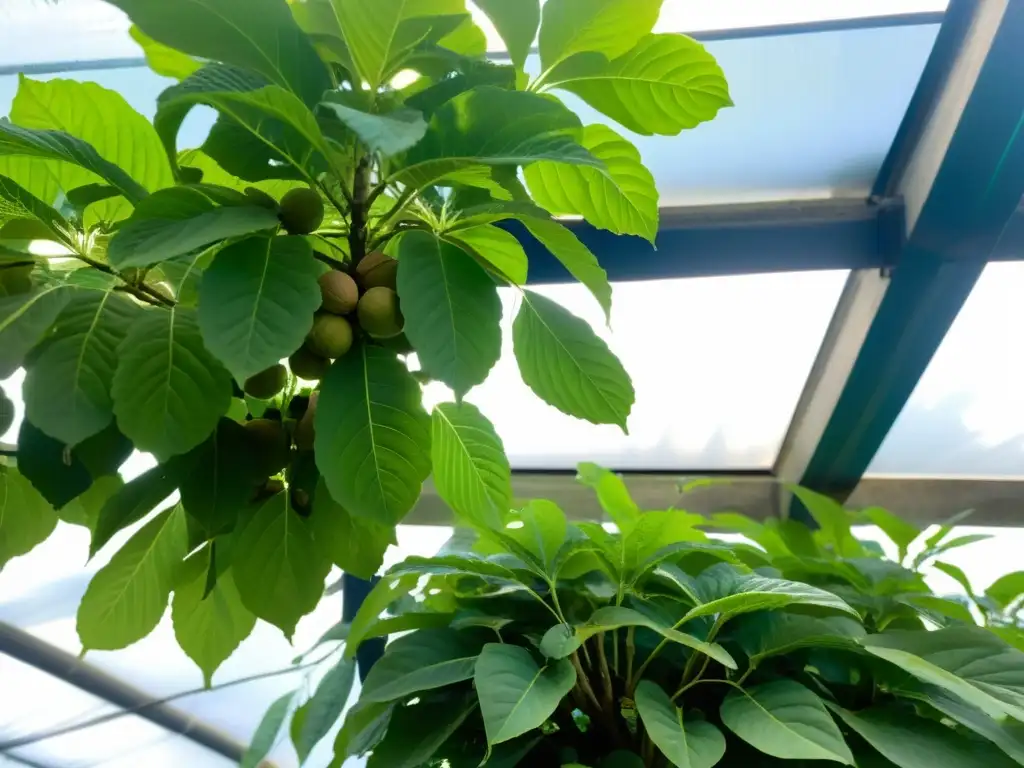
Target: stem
606	678
584	684
630	655
142	291
357	237
687	687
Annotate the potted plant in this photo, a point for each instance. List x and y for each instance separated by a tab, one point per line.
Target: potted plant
550	643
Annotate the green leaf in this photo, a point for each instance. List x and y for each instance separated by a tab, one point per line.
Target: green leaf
686	744
131	503
417	732
939	610
956	574
384	593
143	242
785	720
217	479
664	85
494	248
610	27
326	706
616	617
541	536
255	34
67	388
16	141
24	319
163	59
355	544
516	694
1007	734
900	532
208	627
169	391
269	114
103	119
914	742
612	495
566	365
265	737
517	22
559	642
652	534
832	519
451	308
127	597
623	199
372	435
257	302
471	471
1006	589
766	634
421	661
278	570
491	126
85	510
378	37
25	517
364	727
757	593
390	133
445	565
970	662
16	202
62	475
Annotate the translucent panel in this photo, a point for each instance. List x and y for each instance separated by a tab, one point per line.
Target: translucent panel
965	417
35	703
37	31
718	365
40	593
797	131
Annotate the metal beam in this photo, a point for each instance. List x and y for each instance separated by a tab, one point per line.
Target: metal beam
958	163
705	241
28	649
920	500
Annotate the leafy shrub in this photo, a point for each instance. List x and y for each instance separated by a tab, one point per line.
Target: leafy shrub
370	181
557	644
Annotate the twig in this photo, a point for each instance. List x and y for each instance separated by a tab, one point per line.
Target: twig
141	291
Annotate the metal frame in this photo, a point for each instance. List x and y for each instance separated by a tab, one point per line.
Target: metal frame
28	649
920	500
958	163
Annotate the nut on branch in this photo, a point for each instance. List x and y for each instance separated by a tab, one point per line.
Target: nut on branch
379	313
301	211
377	270
267	383
339	293
332	336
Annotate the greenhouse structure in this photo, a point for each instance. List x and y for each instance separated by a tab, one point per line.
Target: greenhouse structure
833	299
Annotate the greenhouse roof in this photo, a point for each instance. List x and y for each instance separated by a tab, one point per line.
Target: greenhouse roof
838	268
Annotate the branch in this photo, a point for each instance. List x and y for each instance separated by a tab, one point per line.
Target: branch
141	291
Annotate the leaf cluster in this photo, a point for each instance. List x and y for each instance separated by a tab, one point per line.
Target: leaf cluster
246	311
656	642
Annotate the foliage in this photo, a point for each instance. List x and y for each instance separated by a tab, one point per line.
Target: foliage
657	643
370	182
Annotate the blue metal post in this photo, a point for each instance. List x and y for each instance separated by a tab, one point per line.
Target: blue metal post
353	591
